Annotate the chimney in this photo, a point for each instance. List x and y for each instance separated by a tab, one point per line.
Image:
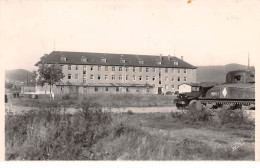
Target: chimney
169	57
160	57
45	55
181	57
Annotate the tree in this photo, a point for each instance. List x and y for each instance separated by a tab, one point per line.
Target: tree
48	73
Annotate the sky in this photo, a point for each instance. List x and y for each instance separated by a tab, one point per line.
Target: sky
215	32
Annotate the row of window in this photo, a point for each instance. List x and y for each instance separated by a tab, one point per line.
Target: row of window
140	69
117	89
127	77
127	88
104	60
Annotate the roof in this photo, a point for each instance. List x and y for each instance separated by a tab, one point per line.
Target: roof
108	84
75	58
191	84
202	84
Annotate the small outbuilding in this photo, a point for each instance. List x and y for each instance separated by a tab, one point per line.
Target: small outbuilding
189	87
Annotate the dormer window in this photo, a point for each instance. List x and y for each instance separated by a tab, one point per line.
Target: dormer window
84	59
104	60
63	58
122	61
141	62
159	62
175	63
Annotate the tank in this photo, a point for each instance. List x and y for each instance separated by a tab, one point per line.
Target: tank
237	92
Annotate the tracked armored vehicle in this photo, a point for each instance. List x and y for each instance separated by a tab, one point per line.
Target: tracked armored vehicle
237	92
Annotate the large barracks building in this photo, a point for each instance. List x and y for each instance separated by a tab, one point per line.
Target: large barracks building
90	73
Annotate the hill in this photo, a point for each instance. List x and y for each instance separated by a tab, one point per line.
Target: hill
216	73
17	75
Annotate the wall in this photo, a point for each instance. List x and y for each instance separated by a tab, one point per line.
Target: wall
166	82
101	89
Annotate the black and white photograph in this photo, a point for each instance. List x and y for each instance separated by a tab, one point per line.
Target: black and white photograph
121	80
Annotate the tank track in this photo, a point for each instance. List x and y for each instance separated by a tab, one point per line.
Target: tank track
245	102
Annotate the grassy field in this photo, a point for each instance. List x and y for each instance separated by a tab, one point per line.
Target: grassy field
91	134
120	100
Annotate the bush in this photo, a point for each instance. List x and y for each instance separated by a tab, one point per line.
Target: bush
130	112
48	134
66	97
192	116
235	117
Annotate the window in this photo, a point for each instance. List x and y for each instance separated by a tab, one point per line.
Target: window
106	77
133	69
126	69
172	86
84	80
166	78
140	78
76	67
113	77
160	70
179	70
172	70
237	78
153	69
185	71
147	69
122	61
141	62
76	76
153	78
106	89
104	60
127	89
166	70
63	58
134	77
179	79
175	63
140	69
99	68
84	68
83	59
69	67
96	89
184	79
126	77
147	78
91	68
84	75
117	89
91	77
120	68
106	68
120	77
98	77
69	76
172	78
113	69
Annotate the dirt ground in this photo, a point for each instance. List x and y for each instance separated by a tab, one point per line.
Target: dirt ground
216	137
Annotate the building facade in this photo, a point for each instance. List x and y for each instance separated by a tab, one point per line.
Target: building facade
120	73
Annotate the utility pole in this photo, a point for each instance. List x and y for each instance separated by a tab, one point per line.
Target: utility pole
248	61
27	80
54	45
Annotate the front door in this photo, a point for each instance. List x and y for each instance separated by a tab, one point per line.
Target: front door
159	90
